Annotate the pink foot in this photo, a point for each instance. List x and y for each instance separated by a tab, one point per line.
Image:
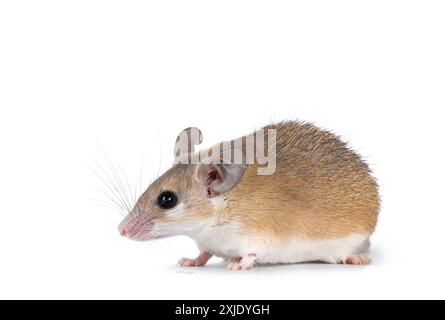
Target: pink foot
200	261
358	260
245	263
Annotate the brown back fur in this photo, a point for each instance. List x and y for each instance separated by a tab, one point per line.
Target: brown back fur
321	189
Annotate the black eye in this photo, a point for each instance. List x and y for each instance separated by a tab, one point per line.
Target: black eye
167	200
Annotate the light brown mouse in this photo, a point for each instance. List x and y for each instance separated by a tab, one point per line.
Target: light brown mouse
320	204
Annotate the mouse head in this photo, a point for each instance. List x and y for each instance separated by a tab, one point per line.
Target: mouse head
184	199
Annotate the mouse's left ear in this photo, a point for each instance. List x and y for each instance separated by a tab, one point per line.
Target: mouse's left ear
219	178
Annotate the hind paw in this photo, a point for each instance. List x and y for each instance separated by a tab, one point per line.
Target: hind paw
358	260
245	263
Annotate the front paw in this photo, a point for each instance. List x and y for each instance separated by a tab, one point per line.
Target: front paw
186	262
197	262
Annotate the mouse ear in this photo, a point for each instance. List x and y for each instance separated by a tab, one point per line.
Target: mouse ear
186	142
220	178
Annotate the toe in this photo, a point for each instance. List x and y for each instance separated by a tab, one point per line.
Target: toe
239	266
229	266
358	260
233	266
188	263
185	262
366	260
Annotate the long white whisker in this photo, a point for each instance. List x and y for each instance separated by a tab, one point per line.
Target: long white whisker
135	191
117	177
124	209
153	173
114	192
161	244
103	205
112	186
107	204
132	197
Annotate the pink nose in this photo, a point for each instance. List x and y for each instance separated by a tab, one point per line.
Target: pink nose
123	231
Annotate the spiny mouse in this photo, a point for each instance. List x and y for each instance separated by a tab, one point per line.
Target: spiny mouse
319	203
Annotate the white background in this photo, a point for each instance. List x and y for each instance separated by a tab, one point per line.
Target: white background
127	76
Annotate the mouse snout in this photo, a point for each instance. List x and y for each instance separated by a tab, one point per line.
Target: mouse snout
134	227
129	227
122	230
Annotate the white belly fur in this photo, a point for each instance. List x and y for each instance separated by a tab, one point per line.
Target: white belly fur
233	244
331	251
